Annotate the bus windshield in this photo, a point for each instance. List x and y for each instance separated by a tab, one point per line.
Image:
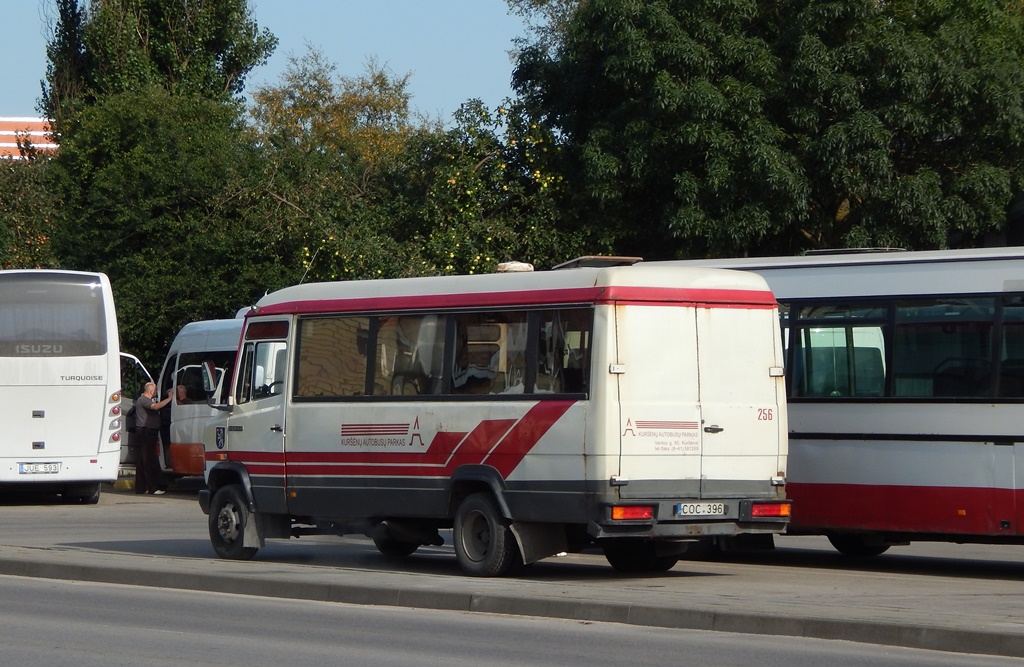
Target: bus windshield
51	315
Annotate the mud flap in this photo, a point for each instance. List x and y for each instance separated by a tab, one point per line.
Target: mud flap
253	536
539	540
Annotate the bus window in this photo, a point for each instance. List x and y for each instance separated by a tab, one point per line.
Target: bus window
943	347
190	376
490	353
263	370
840	351
563	359
841	362
1011	366
410	352
332	357
52	315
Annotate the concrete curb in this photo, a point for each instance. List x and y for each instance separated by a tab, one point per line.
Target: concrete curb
472	595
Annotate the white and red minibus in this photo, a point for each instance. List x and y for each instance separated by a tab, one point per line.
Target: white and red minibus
635	408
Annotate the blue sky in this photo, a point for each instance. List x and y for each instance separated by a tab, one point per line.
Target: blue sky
453	50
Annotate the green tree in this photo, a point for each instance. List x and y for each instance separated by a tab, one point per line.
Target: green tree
189	47
155	167
696	128
484	192
156	193
330	144
908	118
26	215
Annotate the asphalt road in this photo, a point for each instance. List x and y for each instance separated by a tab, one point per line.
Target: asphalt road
47	622
960	598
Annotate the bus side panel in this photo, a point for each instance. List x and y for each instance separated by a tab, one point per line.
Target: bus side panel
396	459
659	421
863	480
745	439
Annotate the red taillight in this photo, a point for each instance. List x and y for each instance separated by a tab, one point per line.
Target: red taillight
115	436
769	509
116	410
632	512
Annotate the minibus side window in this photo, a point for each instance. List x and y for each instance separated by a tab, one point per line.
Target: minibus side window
332	357
244	394
410	355
490	353
563	355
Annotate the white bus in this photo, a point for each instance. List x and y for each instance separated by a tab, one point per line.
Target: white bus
906	394
638	409
186	417
59	383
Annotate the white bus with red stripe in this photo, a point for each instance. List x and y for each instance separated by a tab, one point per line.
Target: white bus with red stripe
906	394
638	409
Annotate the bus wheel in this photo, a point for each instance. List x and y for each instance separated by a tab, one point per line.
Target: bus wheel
229	515
85	494
634	557
857	546
484	545
394	548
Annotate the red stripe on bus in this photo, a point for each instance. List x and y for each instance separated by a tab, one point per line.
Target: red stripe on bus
501	443
704	298
903	509
438	453
524	435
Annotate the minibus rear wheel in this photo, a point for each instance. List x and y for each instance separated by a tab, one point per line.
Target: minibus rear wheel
484	544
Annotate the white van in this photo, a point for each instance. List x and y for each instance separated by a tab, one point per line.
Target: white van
637	408
185	417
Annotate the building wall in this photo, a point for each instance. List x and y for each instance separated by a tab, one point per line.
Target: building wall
35	128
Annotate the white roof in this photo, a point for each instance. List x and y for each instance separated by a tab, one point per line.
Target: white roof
933	272
654	275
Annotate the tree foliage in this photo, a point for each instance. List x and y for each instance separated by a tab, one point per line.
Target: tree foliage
736	127
485	191
155	194
374	191
329	144
154	165
26	215
188	47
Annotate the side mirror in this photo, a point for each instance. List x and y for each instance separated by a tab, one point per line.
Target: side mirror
210	377
209	371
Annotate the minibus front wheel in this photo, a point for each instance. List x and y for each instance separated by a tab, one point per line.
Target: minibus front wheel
229	517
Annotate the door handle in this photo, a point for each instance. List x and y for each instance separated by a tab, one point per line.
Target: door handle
713	429
276	428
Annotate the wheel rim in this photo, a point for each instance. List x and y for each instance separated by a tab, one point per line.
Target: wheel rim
476	536
228	523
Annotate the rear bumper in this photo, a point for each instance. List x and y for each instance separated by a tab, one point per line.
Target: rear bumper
741	516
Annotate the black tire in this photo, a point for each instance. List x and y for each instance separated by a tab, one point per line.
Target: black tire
856	546
484	544
393	548
83	494
637	557
229	515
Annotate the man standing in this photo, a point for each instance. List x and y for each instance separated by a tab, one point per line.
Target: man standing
148	475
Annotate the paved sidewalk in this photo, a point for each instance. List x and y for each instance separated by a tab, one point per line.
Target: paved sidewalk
965	615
